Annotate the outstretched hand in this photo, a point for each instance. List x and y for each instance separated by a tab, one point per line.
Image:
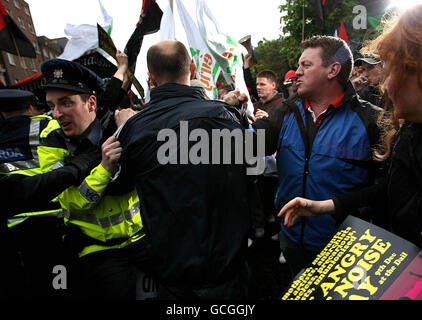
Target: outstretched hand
301	207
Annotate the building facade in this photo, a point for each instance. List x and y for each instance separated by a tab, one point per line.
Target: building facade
14	68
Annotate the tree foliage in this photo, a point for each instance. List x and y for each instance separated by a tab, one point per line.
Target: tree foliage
296	12
282	54
270	57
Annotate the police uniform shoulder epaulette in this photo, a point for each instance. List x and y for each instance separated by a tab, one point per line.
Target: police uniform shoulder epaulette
52	126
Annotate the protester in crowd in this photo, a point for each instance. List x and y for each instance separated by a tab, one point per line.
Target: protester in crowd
27	194
356	80
222	91
262	203
289	83
323	139
269	98
195	215
400	48
101	226
369	80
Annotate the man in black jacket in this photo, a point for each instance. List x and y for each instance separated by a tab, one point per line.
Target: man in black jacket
194	208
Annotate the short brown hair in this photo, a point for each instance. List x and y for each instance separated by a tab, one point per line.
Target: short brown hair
333	50
170	61
268	74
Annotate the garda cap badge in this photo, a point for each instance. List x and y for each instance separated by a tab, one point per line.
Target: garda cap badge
58	74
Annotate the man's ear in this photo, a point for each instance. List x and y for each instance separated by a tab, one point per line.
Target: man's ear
152	79
334	70
92	103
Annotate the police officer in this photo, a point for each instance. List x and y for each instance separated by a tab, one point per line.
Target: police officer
102	226
31	248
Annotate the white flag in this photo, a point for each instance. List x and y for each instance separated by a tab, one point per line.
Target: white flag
167	27
84	37
224	49
207	68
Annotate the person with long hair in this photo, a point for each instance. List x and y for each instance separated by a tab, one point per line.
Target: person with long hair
400	49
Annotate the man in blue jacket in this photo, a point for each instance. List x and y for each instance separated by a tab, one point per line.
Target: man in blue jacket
324	137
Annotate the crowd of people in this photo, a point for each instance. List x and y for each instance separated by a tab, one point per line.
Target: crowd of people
86	187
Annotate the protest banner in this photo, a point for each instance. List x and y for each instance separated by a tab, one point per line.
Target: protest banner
207	68
361	262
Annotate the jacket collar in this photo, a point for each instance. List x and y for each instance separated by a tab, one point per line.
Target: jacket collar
349	95
174	90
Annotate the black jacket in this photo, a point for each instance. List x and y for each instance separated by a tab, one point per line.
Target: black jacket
195	215
400	192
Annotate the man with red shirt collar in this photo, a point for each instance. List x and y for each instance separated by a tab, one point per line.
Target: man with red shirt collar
323	137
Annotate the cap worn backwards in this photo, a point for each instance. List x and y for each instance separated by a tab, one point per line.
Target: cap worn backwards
14	100
71	76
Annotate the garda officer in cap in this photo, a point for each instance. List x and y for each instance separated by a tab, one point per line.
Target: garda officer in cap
32	248
102	226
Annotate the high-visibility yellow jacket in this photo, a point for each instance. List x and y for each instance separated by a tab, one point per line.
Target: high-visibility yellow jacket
20	139
105	219
19	143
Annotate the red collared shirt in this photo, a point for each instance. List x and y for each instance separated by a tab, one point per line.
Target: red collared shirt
323	114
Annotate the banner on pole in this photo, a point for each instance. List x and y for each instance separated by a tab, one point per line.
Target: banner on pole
224	49
207	68
106	43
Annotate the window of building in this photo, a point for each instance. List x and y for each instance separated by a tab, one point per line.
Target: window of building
31	28
11	58
26	9
23	63
37	48
32	64
45	53
16	2
21	22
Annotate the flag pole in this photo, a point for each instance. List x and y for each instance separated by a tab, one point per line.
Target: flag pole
303	20
19	54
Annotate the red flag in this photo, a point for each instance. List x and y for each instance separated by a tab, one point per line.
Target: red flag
12	39
342	33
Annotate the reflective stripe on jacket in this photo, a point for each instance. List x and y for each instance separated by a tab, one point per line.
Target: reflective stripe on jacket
98	216
19	154
19	143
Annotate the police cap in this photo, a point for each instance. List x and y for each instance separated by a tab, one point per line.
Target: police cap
72	76
14	100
